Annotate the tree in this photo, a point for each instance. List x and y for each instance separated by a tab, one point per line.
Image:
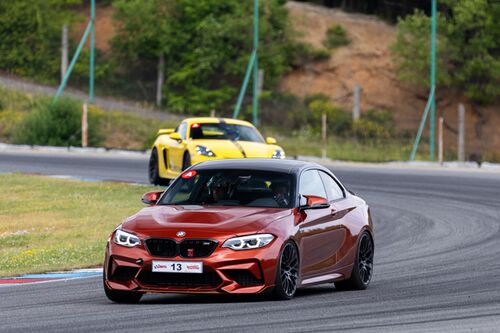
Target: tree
30	35
206	44
468	49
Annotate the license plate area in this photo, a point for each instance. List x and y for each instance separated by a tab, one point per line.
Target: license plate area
194	267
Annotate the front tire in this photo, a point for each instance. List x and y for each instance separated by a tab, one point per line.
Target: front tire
186	161
287	272
153	170
119	296
362	270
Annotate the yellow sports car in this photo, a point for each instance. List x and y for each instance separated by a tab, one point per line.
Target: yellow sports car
201	139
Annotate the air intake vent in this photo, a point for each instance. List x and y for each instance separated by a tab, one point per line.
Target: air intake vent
181	280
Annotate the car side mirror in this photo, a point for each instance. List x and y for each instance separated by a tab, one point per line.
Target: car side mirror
313	202
270	141
175	136
151	198
165	131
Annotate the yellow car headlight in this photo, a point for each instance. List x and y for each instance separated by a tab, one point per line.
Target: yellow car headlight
279	154
204	151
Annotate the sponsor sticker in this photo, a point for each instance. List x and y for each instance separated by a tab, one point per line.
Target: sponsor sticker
189	174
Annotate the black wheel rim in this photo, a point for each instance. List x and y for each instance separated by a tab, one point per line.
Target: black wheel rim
289	269
365	261
153	162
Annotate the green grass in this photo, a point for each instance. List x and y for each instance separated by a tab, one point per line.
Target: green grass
305	143
129	131
51	224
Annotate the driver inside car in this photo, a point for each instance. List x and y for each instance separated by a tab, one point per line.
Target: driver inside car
281	193
218	188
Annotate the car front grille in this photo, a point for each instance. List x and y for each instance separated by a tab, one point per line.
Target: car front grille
189	248
196	248
206	279
162	247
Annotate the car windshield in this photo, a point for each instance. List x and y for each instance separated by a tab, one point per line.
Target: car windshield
247	188
224	131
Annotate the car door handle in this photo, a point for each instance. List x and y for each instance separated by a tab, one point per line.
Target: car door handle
334	212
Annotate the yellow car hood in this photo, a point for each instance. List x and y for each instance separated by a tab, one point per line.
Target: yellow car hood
229	149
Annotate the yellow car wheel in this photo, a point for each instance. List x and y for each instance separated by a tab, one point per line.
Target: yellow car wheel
154	172
186	161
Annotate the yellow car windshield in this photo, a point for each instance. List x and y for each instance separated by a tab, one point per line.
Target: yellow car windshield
224	131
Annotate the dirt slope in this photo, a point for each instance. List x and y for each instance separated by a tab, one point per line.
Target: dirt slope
367	62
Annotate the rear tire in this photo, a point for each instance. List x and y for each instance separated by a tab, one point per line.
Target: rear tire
186	161
287	272
362	270
154	172
119	296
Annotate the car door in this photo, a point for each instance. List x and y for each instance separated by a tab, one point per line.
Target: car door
344	215
176	149
318	233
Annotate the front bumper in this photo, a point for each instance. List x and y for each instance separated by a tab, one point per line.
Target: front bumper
224	271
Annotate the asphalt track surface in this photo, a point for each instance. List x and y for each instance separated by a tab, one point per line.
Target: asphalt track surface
437	265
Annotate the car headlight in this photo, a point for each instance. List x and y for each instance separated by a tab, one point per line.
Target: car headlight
278	154
204	151
126	239
248	242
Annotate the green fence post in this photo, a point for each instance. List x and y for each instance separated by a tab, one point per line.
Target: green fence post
422	124
243	89
92	53
256	62
432	122
72	64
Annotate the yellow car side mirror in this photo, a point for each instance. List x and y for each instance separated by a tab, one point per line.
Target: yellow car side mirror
270	141
175	136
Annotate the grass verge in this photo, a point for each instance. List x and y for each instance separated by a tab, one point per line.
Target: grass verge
49	224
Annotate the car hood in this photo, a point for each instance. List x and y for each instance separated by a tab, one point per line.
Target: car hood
201	221
230	149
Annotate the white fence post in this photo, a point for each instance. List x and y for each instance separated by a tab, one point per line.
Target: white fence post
441	143
461	133
161	78
324	135
356	110
85	126
64	51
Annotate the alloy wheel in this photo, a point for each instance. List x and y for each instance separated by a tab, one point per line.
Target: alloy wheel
289	269
365	259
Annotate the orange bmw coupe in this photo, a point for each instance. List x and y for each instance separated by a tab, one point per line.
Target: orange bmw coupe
243	227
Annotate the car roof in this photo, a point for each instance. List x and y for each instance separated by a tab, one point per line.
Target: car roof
262	164
208	120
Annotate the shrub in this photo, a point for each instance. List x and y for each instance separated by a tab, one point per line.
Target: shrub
30	32
282	109
336	37
375	125
302	53
338	121
56	125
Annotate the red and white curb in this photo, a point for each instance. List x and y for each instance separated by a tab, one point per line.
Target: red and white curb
50	277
